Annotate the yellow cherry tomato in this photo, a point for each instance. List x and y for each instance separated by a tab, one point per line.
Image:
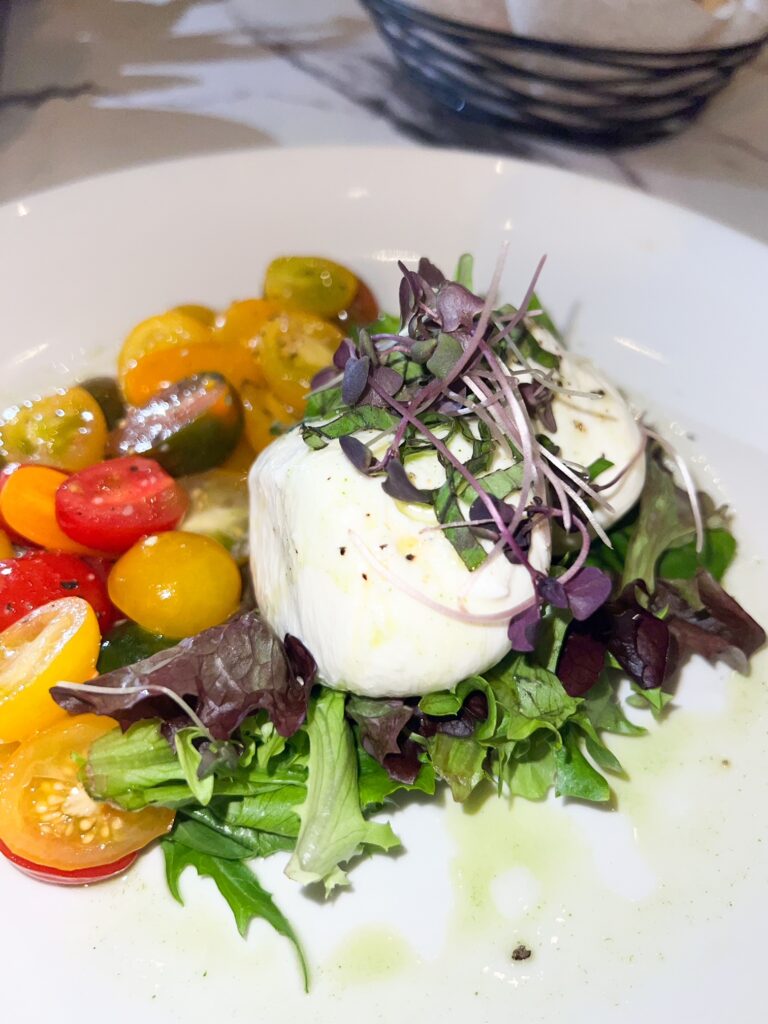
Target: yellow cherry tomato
265	416
308	282
6	548
295	346
168	330
176	583
64	431
244	322
28	506
58	642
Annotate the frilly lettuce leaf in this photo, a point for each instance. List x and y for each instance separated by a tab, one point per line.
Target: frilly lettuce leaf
333	829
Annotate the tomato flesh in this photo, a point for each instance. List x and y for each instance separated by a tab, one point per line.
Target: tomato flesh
38	577
46	815
83	876
59	641
112	505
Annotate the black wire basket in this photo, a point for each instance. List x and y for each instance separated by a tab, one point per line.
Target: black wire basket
593	96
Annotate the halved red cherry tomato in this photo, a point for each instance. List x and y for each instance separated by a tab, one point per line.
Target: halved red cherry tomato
38	577
113	504
46	814
84	876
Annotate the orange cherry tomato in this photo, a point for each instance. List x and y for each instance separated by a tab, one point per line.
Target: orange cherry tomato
245	320
165	367
57	642
168	330
46	814
265	416
28	506
296	346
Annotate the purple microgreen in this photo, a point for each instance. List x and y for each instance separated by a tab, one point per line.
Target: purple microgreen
447	353
359	454
399	486
430	273
355	379
457	307
448	455
523	629
587	591
366	347
323	377
345	350
538	403
552	591
387	379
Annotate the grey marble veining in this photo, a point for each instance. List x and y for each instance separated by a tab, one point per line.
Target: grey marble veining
95	85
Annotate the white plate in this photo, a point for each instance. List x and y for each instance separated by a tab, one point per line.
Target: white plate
652	912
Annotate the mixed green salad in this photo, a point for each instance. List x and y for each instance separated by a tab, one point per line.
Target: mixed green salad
235	728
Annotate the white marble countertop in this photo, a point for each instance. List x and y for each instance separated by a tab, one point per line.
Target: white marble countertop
95	85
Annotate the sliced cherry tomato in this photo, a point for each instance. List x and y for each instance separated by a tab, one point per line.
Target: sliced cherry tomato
265	416
38	577
107	394
176	584
311	283
161	369
65	431
189	427
85	876
48	818
28	506
204	314
113	504
159	332
363	309
59	641
294	348
244	322
5	473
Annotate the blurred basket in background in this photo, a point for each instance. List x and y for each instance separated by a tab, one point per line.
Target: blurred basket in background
593	96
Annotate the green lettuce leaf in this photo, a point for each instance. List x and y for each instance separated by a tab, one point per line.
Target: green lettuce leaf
237	884
575	776
333	829
457	761
202	830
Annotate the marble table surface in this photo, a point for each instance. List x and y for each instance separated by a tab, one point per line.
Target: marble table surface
89	86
